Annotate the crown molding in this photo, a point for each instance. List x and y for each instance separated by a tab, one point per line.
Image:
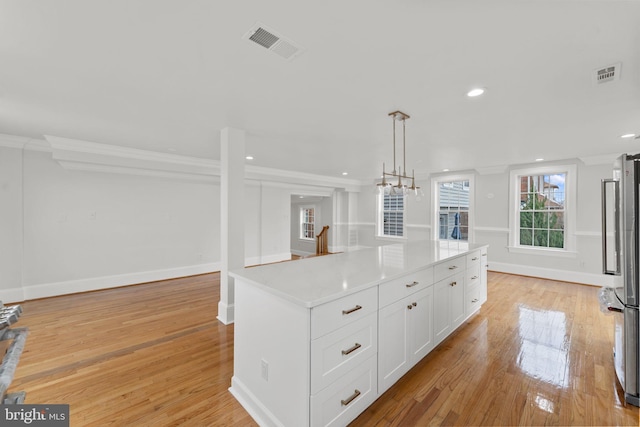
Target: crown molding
74	154
492	170
23	143
602	159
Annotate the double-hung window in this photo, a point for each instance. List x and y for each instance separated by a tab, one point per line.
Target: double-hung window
391	213
542	217
307	222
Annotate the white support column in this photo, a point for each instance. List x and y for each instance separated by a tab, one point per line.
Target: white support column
231	216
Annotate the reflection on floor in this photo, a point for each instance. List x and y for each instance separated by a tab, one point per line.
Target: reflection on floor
538	353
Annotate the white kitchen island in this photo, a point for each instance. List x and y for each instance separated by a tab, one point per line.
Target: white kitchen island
316	341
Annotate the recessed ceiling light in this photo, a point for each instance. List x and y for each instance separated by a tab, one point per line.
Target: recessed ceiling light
345	173
628	135
539	159
249	157
475	92
445	170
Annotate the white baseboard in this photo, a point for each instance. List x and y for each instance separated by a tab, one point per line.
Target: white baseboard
252	405
225	313
552	274
95	283
12	295
258	260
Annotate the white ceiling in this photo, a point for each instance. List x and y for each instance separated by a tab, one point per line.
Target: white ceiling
169	75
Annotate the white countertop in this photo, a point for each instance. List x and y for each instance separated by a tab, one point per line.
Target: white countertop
313	281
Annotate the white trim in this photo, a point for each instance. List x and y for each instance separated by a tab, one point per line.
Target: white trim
492	229
252	405
379	225
45	290
553	274
435	207
422	226
92	156
267	259
225	312
602	159
570	207
597	234
492	170
537	250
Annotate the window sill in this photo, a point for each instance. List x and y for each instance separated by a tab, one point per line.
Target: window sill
564	253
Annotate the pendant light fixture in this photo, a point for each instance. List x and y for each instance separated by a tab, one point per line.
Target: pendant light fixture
399	181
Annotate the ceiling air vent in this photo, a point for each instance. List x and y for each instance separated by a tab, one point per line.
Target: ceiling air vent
607	74
273	41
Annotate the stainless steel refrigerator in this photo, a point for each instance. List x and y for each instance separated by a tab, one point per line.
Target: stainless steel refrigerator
620	258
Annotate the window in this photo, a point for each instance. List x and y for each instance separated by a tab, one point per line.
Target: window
543	212
391	215
307	222
541	215
452	200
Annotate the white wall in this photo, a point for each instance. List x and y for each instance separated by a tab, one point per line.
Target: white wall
10	223
416	221
324	215
492	226
91	230
67	231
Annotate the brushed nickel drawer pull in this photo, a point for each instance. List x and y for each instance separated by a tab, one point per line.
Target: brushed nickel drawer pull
350	399
409	306
474	277
351	310
411	285
351	350
414	304
453	267
484	254
475	258
474	300
453	283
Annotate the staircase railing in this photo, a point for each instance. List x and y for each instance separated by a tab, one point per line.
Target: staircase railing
322	241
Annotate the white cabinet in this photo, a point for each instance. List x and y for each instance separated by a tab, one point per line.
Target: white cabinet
484	260
448	297
405	325
448	306
343	364
406	336
306	354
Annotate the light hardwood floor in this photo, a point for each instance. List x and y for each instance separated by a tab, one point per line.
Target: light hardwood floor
538	353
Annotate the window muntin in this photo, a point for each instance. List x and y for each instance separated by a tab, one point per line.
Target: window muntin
391	215
307	223
453	210
542	210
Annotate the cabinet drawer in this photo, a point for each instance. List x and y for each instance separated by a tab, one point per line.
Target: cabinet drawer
473	276
335	314
335	354
448	268
473	258
346	398
472	300
397	289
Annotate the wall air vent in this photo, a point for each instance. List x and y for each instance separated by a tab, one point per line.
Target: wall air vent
607	74
274	42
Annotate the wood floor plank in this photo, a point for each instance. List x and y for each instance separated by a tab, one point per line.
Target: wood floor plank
538	353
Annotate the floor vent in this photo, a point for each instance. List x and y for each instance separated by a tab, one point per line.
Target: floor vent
273	41
607	74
